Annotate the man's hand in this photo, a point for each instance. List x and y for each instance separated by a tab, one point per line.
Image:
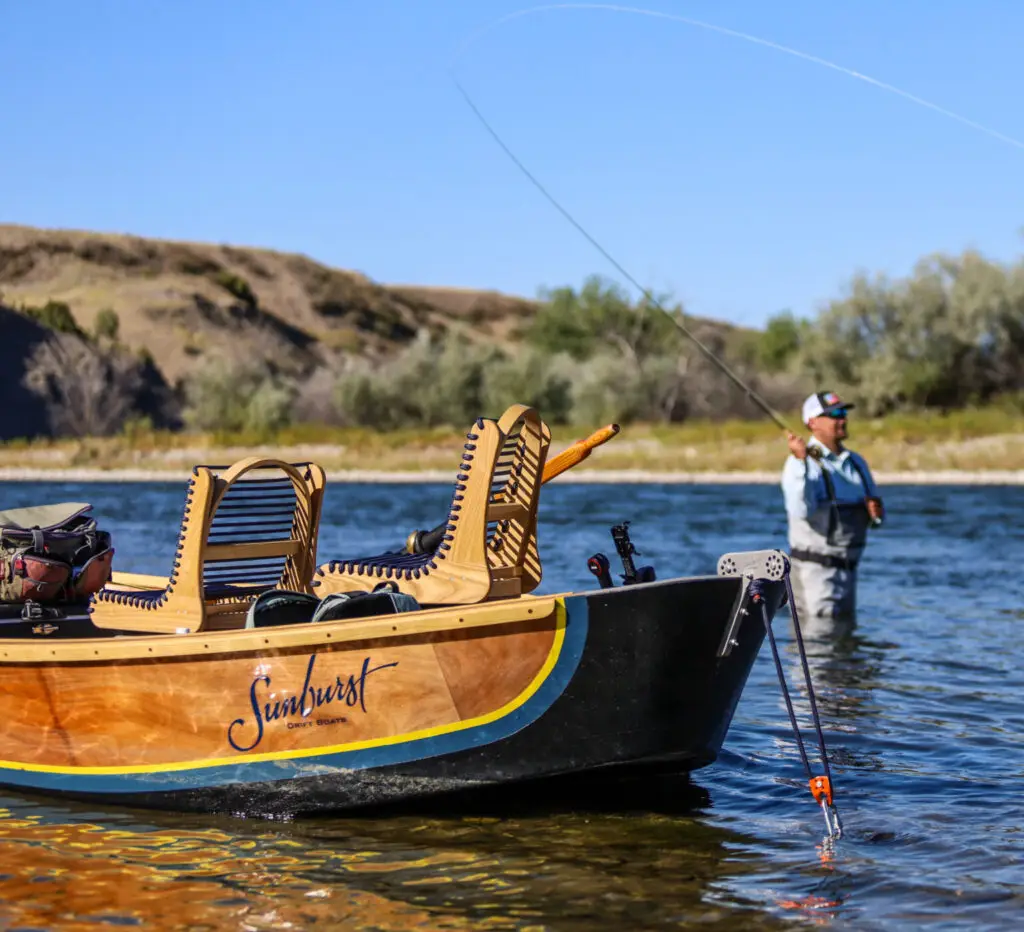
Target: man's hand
797	446
875	508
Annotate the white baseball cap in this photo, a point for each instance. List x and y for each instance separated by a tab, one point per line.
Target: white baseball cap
822	403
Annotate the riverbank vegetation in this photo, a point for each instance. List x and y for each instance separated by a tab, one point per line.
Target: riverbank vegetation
970	439
949	336
931	359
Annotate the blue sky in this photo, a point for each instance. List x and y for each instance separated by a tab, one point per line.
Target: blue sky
739	179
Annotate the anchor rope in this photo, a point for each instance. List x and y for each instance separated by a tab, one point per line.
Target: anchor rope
785	688
807	677
822	790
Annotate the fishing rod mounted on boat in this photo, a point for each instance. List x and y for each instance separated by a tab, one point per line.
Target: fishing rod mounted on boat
598	564
626	548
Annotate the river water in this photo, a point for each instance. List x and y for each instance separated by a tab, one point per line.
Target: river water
922	705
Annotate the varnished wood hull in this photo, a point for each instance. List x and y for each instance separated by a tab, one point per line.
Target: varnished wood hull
278	721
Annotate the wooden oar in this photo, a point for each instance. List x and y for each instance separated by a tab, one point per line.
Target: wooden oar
573	455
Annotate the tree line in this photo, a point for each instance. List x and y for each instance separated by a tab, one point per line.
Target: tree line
947	336
950	334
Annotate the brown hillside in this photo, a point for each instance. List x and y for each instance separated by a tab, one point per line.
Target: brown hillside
185	301
494	315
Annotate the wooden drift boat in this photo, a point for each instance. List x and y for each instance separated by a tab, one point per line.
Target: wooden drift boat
177	693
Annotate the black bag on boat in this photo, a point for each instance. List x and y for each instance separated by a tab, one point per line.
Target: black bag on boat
286	607
52	553
341	605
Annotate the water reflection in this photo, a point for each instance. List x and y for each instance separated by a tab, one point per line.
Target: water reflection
846	668
630	855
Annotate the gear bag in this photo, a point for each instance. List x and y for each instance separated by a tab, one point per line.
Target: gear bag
52	553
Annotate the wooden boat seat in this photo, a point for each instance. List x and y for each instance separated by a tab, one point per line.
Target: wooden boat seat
246	529
489	549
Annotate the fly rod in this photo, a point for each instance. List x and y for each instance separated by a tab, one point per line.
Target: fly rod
732	33
747	390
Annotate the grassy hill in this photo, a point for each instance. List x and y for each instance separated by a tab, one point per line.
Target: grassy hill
178	306
181	301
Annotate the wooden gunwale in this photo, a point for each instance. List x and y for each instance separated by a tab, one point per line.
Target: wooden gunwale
254	640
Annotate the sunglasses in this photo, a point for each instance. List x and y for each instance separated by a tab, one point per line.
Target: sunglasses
836	414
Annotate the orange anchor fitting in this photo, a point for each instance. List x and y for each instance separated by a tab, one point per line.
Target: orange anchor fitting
821	789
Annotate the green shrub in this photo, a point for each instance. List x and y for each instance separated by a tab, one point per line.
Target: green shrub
951	334
57	316
107	325
235	285
531	378
233	395
433	382
600	317
780	342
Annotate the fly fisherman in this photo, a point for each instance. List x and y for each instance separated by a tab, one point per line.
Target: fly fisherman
831	500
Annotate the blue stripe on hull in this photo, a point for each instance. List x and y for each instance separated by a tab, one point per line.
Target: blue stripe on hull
268	771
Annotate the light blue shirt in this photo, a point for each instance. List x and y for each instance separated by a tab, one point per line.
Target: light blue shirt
806	495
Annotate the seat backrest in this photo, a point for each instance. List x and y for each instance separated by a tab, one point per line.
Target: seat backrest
488	544
261	529
246	529
493	516
515	497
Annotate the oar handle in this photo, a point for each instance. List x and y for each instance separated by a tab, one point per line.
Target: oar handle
577	452
574	454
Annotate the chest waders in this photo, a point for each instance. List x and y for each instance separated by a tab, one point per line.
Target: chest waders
847	525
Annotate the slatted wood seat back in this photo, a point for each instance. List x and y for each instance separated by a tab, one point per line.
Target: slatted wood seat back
515	495
489	547
246	528
263	530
